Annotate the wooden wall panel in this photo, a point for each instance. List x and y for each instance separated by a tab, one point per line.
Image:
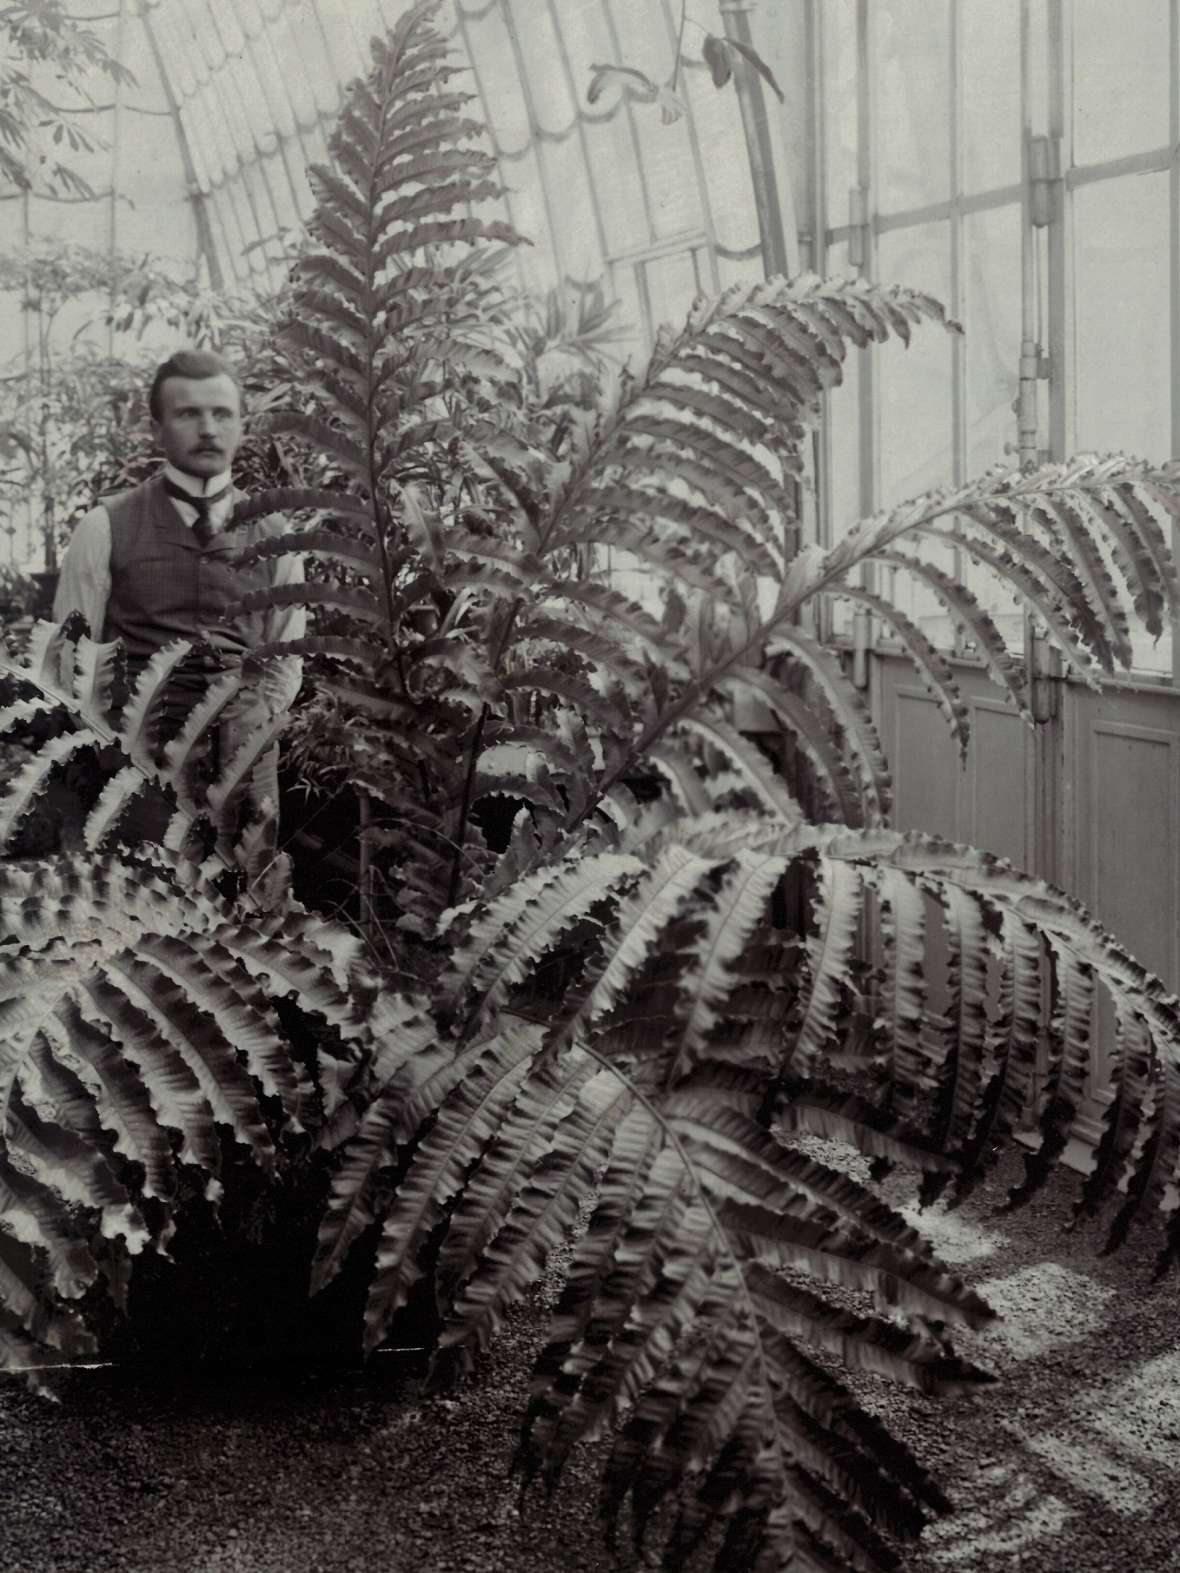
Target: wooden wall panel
999	782
925	765
1125	831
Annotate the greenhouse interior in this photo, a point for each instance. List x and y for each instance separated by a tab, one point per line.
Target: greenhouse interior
590	772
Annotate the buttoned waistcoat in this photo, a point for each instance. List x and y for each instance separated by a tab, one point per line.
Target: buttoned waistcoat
166	585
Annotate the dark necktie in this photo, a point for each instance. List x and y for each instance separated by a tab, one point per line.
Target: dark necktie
202	525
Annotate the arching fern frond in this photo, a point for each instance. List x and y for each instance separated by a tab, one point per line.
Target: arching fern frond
684	1324
136	1018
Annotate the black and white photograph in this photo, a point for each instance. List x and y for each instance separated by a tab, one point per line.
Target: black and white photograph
589	786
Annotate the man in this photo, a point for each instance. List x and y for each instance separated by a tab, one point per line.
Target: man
154	564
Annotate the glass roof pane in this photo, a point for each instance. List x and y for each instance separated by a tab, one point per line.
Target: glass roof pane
911	70
729	197
572	204
1121	73
588	40
839	103
542	66
490	48
611	152
988	44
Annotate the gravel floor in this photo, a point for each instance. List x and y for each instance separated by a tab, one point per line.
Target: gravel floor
1070	1464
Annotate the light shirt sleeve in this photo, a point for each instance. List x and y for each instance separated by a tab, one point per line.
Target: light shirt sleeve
84	583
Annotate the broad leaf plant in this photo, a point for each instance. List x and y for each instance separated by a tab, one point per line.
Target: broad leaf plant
620	971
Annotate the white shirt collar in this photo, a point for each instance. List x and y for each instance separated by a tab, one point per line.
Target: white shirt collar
195	486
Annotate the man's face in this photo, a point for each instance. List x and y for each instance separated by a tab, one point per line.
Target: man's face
200	423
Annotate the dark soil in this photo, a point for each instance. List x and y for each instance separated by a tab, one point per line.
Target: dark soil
1069	1464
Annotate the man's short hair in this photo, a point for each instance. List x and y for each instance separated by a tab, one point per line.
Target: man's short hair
188	363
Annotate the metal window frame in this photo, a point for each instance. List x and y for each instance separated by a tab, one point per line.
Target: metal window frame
866	223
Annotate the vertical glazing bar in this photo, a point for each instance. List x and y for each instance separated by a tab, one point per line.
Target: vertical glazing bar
817	220
608	17
26	318
485	111
205	245
567	72
1174	272
1028	436
643	290
1062	405
864	212
735	15
958	300
530	106
214	85
1052	805
117	130
698	163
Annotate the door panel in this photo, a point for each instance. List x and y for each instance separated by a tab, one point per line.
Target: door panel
988	801
1121	798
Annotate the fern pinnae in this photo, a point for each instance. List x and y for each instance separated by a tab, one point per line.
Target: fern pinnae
832	933
598	649
683	775
835	1255
638	1198
1137	499
198	1040
815	731
1131	1071
903	990
1067	1068
117	794
95	668
742	1164
849	709
756	771
42	662
546	915
1151	1171
838	1115
968	614
1071	526
386	1127
31	1213
1136	555
25	1309
1049	589
640	922
735	909
497	1247
22	710
346	551
928	661
865	1343
139	713
121	1097
966	1065
224	991
180	751
75	1168
33	777
467	1119
220	793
